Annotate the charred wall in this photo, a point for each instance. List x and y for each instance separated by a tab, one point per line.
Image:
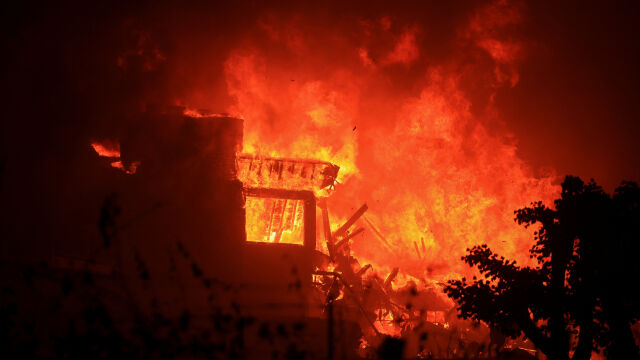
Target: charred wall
180	212
184	206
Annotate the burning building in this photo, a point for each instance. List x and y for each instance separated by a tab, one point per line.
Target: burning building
268	238
367	146
280	217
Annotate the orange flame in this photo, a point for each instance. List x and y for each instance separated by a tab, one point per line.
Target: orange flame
111	149
436	179
107	149
413	134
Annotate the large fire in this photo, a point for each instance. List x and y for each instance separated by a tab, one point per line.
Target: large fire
300	179
436	177
416	138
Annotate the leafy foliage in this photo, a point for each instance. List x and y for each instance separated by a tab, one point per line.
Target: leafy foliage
587	254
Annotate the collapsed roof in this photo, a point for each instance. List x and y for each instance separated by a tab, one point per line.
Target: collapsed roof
287	174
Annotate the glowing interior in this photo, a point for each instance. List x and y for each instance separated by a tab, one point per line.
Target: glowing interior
272	220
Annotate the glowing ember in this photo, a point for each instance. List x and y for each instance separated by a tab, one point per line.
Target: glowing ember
129	170
107	149
111	149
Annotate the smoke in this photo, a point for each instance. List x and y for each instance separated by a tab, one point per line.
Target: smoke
478	89
408	122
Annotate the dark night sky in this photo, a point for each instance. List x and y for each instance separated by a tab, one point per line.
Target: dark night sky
575	108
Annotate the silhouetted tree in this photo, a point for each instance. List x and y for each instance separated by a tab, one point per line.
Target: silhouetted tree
583	287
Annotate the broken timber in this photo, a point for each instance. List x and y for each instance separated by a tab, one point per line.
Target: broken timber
390	278
415	244
343	229
355	233
283	173
327	227
378	233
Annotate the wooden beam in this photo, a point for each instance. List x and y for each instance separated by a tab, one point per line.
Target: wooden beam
363	270
415	244
378	233
357	232
343	229
325	220
326	226
391	277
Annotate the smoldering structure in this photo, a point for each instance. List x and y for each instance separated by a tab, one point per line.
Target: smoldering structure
260	226
233	245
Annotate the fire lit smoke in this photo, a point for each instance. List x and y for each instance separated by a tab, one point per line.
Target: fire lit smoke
404	104
436	177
